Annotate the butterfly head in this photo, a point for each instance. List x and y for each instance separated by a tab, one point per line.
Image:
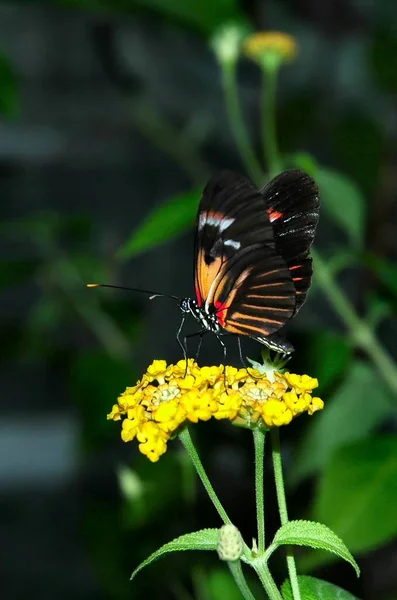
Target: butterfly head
186	305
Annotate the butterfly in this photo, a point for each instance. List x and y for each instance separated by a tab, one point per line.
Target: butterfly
253	267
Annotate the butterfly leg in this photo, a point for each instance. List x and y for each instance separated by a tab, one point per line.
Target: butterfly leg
191	335
243	361
224	358
201	334
182	344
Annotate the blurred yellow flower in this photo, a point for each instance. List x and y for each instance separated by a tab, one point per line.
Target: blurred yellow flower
167	398
271	48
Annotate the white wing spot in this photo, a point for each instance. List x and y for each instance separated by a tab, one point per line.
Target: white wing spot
220	222
232	243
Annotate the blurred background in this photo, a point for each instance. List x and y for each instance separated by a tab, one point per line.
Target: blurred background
112	118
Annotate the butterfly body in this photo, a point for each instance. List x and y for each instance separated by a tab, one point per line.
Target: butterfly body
208	320
252	255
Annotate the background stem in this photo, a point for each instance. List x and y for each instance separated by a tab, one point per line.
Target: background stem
271	153
240	133
259	443
360	331
282	507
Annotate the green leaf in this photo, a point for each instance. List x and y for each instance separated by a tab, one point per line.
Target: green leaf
383	57
312	588
9	98
357	494
96	381
204	15
220	585
314	535
385	271
328	356
343	202
16	270
165	222
359	405
305	161
149	491
205	539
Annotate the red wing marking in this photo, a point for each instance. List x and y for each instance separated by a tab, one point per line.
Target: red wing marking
274	214
221	308
198	296
297	279
295	267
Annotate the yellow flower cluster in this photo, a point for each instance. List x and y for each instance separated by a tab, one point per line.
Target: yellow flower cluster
165	399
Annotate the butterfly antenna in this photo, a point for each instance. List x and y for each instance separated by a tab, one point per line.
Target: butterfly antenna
120	287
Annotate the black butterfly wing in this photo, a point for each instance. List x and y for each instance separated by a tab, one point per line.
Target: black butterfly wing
292	200
239	272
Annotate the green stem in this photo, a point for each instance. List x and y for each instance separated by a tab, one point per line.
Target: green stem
269	585
259	443
237	124
269	136
181	149
360	331
187	443
282	507
86	305
238	576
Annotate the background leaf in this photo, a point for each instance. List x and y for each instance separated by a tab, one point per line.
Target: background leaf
343	202
328	355
17	270
356	491
9	97
168	220
220	585
312	588
359	405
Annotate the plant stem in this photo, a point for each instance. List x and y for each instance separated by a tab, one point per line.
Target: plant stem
282	507
259	443
187	443
238	576
269	585
269	136
360	331
241	137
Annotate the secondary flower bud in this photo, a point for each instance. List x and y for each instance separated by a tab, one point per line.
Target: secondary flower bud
270	49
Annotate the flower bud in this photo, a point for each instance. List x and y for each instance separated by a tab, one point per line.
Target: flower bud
230	543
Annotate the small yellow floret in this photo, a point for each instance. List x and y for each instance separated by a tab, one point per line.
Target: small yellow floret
301	383
199	407
153	441
276	413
